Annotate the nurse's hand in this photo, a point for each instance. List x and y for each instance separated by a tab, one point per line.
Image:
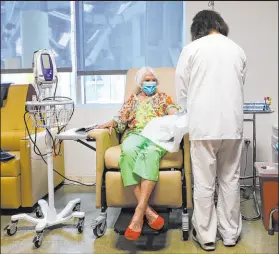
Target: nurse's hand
109	125
172	111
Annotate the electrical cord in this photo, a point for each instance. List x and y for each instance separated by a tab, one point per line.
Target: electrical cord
38	152
56	83
53	98
84	184
54	144
35	146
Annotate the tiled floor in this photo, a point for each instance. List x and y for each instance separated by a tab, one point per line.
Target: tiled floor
66	240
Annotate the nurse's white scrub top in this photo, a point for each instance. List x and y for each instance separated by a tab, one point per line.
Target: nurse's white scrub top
210	75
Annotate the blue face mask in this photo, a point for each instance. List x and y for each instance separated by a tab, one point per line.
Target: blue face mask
149	87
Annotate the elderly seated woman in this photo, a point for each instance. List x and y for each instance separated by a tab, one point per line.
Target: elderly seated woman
140	158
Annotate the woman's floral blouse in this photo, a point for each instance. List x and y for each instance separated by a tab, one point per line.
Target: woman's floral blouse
136	114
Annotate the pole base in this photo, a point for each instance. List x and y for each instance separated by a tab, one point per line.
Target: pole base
50	218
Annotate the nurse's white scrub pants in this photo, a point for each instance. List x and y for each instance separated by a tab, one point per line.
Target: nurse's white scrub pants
221	158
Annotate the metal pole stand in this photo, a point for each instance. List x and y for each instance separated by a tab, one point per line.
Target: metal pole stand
254	143
49	114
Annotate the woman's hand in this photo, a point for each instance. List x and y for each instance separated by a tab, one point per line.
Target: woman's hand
172	111
109	125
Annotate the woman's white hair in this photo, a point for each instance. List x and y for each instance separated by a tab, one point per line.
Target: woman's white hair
142	72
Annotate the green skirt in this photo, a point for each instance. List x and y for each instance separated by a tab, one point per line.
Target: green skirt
140	158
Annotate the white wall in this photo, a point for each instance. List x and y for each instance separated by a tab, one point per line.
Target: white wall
254	26
79	160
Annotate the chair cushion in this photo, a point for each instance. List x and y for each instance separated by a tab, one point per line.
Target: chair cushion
11	192
170	160
167	192
11	168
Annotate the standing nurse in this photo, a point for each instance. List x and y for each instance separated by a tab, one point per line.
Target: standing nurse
210	75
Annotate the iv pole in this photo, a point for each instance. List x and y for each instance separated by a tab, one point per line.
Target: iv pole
211	4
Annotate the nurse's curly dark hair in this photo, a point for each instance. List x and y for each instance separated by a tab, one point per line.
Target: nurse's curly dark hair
205	21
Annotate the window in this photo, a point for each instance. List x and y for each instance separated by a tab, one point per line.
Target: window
27	26
108	38
104	88
113	36
119	35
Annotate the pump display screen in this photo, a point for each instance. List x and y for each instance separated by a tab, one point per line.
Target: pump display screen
46	62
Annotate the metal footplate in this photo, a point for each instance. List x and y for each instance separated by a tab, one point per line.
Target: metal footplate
126	215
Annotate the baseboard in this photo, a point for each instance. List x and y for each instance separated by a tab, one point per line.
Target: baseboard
81	179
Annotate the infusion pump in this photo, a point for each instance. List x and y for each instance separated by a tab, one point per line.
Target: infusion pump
44	67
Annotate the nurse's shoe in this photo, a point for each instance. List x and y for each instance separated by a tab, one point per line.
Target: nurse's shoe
230	243
227	243
205	246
